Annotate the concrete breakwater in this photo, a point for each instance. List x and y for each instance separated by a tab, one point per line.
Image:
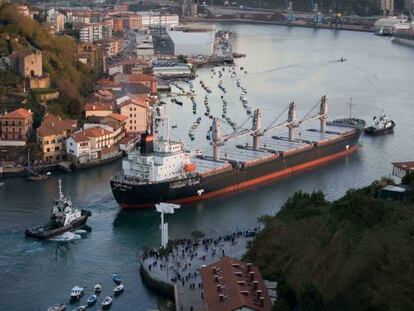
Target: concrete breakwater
175	272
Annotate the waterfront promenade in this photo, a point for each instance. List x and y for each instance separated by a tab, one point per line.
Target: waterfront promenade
177	273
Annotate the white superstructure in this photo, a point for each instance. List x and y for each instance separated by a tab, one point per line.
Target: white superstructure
167	159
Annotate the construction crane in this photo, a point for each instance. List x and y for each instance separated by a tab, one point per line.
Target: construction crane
218	139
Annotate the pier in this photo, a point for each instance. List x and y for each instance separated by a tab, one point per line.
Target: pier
176	271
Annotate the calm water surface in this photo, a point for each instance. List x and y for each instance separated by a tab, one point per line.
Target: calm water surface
283	64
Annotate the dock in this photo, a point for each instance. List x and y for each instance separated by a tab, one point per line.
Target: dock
176	274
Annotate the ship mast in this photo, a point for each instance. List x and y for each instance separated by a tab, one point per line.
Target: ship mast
350	107
216	137
292	121
256	128
60	189
323	113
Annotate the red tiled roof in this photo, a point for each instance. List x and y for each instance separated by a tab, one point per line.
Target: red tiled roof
84	135
141	77
98	106
20	113
138	101
52	125
230	284
408	166
118	117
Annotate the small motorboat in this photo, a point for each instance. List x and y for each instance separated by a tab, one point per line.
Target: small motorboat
80	308
76	292
119	289
57	307
91	300
107	302
98	288
380	126
116	278
342	59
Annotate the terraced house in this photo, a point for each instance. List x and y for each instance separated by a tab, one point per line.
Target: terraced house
15	127
51	137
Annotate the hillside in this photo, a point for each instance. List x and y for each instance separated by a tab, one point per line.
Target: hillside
355	253
348	7
71	78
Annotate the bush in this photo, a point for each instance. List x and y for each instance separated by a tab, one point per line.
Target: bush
408	179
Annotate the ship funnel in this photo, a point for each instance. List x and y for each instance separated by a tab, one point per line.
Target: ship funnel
292	120
216	138
323	113
256	127
146	144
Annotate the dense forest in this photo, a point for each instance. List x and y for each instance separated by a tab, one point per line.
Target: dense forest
73	79
355	253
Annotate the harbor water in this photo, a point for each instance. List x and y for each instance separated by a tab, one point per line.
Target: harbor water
283	64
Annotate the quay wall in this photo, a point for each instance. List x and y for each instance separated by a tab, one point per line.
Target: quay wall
281	23
161	286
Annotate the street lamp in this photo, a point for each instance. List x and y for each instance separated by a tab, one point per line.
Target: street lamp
165	208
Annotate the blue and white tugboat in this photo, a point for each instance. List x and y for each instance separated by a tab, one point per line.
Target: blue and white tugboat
64	218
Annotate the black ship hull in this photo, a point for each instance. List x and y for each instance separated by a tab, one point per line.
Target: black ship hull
139	195
375	131
45	232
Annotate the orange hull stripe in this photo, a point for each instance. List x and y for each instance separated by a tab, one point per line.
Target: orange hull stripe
255	181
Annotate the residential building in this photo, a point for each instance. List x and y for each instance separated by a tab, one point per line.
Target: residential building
56	19
133	22
87	145
29	64
107	31
136	111
52	135
230	284
387	7
147	80
90	33
92	54
16	125
130	66
117	122
151	19
112	46
98	109
118	24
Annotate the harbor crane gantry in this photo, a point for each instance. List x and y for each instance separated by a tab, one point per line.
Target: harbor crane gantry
218	139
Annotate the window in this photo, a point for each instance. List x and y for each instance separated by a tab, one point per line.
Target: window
48	150
53	141
57	149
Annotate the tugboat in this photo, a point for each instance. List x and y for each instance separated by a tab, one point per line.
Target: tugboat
381	125
64	218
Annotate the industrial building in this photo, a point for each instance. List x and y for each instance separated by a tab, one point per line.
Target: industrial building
192	40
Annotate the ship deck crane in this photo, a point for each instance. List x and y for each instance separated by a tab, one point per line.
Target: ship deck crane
291	123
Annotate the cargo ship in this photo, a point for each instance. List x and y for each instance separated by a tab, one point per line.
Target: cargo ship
162	170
